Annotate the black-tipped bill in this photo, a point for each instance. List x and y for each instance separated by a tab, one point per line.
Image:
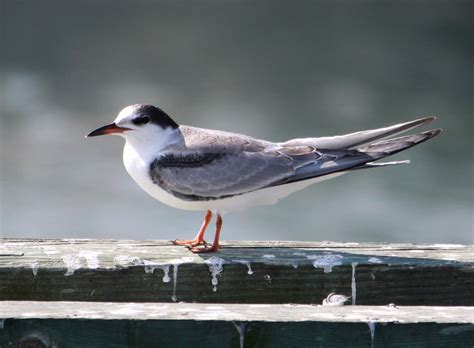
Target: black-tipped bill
108	129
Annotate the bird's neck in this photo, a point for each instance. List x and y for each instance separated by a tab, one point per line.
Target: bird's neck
150	147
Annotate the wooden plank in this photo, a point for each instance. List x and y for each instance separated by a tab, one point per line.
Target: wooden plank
243	272
96	324
235	312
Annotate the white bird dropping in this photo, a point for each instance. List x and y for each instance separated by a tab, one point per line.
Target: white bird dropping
246	263
73	263
353	283
215	267
335	300
34	267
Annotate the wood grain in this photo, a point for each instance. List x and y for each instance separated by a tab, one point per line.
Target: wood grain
282	272
96	324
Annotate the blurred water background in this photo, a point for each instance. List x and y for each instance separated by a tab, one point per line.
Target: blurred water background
270	69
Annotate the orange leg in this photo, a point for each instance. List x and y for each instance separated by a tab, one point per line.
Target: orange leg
215	245
199	239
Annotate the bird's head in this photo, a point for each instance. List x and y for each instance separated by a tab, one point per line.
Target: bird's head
138	122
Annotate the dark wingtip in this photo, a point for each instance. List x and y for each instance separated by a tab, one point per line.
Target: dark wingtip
425	120
432	133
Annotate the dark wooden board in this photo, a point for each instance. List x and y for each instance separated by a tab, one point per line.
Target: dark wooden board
96	324
126	333
283	272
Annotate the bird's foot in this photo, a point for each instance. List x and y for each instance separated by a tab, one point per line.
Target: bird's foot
205	249
190	243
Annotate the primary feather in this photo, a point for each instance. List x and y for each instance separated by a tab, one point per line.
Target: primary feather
353	140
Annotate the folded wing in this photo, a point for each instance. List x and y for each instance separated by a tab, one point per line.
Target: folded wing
229	171
207	176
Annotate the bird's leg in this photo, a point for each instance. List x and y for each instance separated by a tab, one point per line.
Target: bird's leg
199	239
215	245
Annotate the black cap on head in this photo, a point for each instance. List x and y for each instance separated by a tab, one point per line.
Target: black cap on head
155	114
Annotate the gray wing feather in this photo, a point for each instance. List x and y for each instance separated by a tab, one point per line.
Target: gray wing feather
220	175
332	161
221	164
353	140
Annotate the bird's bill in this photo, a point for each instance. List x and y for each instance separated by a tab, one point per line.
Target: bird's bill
107	129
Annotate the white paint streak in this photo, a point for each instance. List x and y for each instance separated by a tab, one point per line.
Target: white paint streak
187	259
175	281
374	260
353	283
34	267
122	260
246	263
268	256
166	275
175	263
180	261
91	257
215	265
240	327
150	266
326	262
72	262
371	325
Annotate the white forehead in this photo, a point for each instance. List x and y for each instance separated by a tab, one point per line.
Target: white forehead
126	113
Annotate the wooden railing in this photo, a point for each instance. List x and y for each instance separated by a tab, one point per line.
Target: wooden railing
151	293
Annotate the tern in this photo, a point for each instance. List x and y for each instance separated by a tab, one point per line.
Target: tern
217	172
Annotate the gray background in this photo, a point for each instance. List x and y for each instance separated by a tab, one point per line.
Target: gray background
270	69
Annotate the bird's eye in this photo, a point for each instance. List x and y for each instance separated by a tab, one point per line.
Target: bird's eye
141	120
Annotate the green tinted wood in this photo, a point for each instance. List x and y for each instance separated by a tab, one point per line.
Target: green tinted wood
96	324
280	272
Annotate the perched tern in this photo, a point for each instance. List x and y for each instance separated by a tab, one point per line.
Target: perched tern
216	172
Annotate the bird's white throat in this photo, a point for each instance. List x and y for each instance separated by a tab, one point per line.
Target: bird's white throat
148	144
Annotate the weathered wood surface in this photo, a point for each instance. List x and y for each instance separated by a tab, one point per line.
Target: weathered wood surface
280	272
235	312
96	324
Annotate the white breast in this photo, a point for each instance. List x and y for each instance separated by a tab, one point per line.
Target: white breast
139	171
